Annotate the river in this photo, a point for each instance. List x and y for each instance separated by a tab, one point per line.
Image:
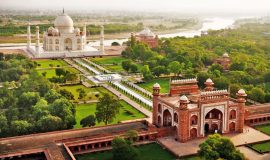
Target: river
208	24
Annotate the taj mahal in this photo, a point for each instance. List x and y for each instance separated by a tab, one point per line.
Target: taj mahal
63	40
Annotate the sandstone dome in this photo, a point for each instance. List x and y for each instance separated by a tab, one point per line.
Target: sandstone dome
64	23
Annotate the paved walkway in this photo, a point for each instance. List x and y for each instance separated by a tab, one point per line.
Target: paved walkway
250	135
87	66
96	65
135	94
252	155
131	102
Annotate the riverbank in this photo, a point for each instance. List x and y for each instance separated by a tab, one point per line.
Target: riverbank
22	38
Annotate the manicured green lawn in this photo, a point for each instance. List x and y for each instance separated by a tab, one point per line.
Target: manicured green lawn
51	72
91	92
261	147
264	128
48	63
111	63
126	112
109	60
163	82
151	151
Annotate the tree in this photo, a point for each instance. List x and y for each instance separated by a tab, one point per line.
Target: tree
215	147
20	127
60	72
221	83
234	88
238	66
3	124
107	108
122	150
49	123
215	67
52	95
147	75
40	109
202	77
82	93
65	110
66	94
133	68
126	65
88	121
157	71
257	94
175	67
28	99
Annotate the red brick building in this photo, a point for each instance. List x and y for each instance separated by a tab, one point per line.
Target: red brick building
225	61
196	113
148	37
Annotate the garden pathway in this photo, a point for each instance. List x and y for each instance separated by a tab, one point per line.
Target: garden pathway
131	102
249	153
117	93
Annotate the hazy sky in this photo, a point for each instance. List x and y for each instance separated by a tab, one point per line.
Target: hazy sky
195	6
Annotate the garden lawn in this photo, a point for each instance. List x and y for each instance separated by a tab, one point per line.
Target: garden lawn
91	92
264	128
261	147
151	151
113	64
163	82
51	72
47	62
126	112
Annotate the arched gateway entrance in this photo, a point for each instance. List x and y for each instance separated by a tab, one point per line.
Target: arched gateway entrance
68	44
213	121
167	118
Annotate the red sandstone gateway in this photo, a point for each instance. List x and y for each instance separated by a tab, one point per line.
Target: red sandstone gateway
196	113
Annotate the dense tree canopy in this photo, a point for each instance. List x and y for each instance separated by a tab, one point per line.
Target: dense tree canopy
247	46
29	103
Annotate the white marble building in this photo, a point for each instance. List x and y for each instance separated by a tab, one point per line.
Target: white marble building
63	40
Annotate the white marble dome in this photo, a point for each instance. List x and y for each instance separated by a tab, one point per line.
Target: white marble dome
64	23
55	31
241	91
209	80
183	98
156	85
77	31
225	54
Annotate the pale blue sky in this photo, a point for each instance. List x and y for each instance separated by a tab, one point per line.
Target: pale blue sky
144	5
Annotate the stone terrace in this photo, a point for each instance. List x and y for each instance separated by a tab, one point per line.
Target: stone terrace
191	147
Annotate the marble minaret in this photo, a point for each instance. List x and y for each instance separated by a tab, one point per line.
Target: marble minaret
101	39
37	40
28	36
